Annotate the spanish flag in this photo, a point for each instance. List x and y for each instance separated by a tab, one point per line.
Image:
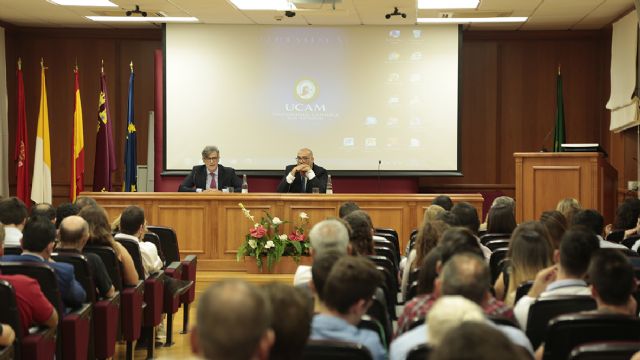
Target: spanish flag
41	183
77	146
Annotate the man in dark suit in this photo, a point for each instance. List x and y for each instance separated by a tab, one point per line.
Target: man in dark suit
37	244
304	176
211	176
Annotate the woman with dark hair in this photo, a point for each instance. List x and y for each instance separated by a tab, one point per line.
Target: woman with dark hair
100	234
626	220
556	225
501	220
361	238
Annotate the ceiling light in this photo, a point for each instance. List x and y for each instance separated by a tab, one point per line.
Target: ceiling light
153	19
83	3
264	4
471	20
447	4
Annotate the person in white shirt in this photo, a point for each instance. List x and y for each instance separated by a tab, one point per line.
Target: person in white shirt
13	214
564	278
593	220
132	227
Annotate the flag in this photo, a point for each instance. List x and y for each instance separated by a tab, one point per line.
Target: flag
41	183
558	133
77	145
105	162
130	171
22	149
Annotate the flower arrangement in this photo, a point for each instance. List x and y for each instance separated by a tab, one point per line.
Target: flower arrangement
265	239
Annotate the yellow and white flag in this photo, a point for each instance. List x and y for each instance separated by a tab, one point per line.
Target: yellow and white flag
41	184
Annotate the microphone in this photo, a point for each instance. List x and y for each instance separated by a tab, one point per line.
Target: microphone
545	139
379	185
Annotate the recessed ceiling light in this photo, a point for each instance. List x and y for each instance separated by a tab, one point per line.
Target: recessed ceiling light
155	19
83	3
448	4
264	4
505	19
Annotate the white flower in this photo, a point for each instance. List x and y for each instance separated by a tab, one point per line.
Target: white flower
276	221
256	225
283	237
303	215
253	244
269	244
246	212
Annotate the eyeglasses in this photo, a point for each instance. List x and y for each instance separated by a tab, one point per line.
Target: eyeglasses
304	158
213	158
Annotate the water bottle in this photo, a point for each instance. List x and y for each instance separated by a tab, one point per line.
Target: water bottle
245	185
329	185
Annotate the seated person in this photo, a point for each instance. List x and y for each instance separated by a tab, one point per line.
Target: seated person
346	296
13	214
74	234
593	220
37	244
44	210
304	176
478	341
132	227
7	335
211	176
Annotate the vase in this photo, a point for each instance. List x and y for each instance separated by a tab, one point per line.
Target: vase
286	265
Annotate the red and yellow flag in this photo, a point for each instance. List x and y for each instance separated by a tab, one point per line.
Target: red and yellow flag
77	145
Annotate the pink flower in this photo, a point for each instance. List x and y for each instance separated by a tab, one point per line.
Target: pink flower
258	231
296	236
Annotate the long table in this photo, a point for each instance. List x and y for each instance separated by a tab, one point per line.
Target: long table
212	225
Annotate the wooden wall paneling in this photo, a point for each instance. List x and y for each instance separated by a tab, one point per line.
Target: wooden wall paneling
544	178
191	226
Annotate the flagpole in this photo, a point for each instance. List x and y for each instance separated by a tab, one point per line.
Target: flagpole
19	63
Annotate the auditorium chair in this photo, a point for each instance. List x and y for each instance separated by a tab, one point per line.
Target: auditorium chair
497	244
628	242
73	327
171	251
13	250
39	344
605	350
131	297
497	262
522	290
105	310
370	323
390	292
387	253
543	310
419	352
387	244
392	236
7	353
412	291
155	240
335	350
565	332
378	310
389	265
494	236
615	236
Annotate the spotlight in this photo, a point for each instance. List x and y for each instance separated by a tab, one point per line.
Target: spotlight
290	13
395	13
136	11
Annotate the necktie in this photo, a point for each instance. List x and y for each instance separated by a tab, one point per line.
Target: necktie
213	184
304	183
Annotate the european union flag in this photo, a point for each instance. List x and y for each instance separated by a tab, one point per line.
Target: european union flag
130	170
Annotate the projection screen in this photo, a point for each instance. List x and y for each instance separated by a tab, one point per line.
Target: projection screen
361	97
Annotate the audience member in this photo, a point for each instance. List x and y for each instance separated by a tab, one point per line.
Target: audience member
7	335
568	207
501	220
13	214
361	232
466	275
347	208
84	201
529	252
327	235
100	234
473	340
37	244
322	265
564	278
556	225
63	210
443	201
499	201
132	228
233	322
592	220
33	307
291	313
468	217
44	210
74	234
448	217
347	295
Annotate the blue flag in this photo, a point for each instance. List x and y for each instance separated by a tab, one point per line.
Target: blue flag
130	155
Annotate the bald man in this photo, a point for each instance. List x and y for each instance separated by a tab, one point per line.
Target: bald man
74	233
304	175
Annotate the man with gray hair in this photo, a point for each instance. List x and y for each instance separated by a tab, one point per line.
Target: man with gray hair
233	322
327	235
211	176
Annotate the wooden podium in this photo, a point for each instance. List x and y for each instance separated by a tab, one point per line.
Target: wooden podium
543	179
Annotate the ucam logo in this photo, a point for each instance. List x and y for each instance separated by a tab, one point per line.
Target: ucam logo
306	90
305	107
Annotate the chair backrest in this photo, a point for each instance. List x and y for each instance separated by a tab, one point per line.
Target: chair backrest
495	262
393	271
389	291
42	273
629	252
387	231
568	331
413	274
168	242
605	350
335	350
9	305
419	352
385	243
155	240
12	250
497	244
523	289
387	253
412	291
493	236
81	269
133	248
615	236
378	311
370	323
543	310
393	239
628	242
111	263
